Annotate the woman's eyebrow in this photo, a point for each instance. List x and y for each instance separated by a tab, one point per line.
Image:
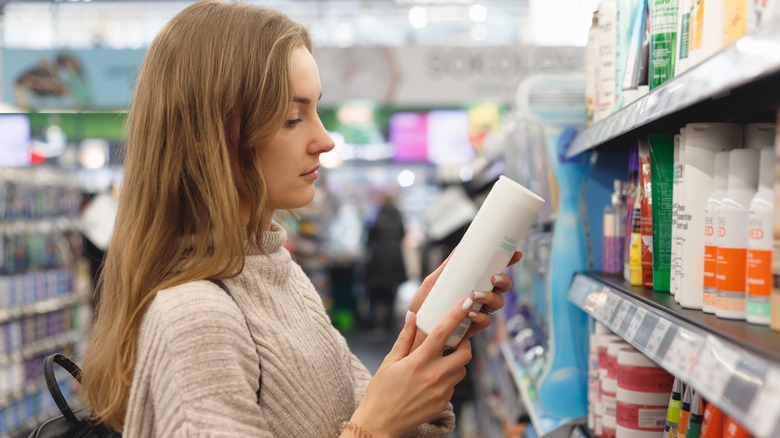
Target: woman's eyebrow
304	100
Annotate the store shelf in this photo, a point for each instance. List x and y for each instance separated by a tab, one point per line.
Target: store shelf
544	425
42	307
731	363
735	83
34	348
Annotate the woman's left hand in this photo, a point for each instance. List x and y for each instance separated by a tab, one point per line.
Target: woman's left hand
491	300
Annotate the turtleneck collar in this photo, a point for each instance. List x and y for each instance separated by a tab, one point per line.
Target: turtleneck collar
273	239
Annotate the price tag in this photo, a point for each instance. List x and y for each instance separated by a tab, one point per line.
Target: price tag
626	321
711	373
746	379
763	419
684	352
646	329
610	307
666	342
658	344
619	314
636	322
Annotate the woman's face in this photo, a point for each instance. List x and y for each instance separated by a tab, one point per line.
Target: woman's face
290	161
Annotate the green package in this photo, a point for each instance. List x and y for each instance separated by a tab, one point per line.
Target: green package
663	41
662	176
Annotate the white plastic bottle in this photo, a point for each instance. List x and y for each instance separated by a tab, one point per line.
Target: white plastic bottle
759	135
677	188
732	251
702	142
759	254
711	239
489	243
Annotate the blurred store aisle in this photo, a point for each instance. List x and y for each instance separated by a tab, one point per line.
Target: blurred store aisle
371	347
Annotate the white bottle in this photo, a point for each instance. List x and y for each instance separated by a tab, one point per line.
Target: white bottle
489	243
732	252
759	135
702	142
676	262
711	239
759	254
607	56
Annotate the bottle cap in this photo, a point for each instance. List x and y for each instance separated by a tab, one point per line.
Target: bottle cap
766	174
721	170
742	169
713	136
759	135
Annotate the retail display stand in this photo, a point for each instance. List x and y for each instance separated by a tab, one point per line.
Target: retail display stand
733	364
43	290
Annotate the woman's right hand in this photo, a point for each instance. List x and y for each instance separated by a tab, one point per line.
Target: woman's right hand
411	387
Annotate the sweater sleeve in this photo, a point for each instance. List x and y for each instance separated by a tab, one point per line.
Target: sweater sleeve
204	370
437	427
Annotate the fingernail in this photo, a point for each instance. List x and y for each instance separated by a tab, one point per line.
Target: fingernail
498	279
466	304
472	314
408	317
479	295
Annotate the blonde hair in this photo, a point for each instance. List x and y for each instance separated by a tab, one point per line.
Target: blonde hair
214	86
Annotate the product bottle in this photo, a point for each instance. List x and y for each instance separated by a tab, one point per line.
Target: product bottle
732	252
485	249
607	57
694	422
614	231
711	237
759	254
685	412
701	142
759	135
735	20
673	413
732	429
677	256
633	181
663	30
683	36
635	245
712	425
662	173
646	213
591	68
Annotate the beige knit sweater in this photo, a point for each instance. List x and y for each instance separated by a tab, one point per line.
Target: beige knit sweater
197	368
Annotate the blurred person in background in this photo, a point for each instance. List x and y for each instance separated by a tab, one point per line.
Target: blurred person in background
224	133
385	269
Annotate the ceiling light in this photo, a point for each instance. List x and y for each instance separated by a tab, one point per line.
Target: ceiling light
478	13
418	17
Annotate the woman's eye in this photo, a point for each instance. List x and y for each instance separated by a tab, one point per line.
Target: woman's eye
292	122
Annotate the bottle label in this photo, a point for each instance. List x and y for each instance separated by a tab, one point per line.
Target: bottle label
644	379
641	417
759	273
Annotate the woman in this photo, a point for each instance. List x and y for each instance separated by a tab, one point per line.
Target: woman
224	132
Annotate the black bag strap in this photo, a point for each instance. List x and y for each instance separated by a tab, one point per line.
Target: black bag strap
54	388
224	287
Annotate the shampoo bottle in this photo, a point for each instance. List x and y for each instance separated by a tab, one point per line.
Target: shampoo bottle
732	251
759	254
759	135
485	249
677	256
702	142
663	30
711	237
646	213
614	223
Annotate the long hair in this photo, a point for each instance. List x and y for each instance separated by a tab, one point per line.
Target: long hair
213	87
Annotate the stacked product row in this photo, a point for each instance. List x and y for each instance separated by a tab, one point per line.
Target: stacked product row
637	45
629	396
42	310
699	219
